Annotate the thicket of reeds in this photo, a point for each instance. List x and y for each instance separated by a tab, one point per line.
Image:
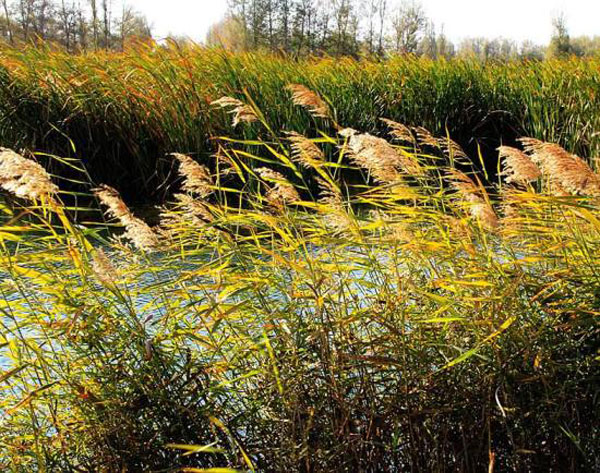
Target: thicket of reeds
419	322
124	111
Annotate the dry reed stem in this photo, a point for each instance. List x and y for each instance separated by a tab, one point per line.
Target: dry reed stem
241	112
304	97
519	168
197	178
137	231
24	177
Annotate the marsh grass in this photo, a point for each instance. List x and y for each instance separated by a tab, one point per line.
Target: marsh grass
419	322
124	112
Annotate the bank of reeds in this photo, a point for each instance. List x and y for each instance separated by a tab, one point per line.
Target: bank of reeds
421	322
125	111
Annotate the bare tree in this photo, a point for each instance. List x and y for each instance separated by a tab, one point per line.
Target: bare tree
346	27
94	7
560	45
408	23
132	25
371	12
428	44
9	30
445	48
24	12
284	13
67	17
382	16
106	26
82	27
42	14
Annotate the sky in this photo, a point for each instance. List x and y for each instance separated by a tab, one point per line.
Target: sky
515	19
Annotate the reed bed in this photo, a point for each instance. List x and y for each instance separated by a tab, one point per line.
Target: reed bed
122	112
422	321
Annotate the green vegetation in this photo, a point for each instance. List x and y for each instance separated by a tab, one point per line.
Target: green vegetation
419	322
124	112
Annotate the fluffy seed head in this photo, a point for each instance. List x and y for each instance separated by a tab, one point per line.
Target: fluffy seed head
240	111
518	167
308	99
304	151
282	192
424	137
347	132
194	209
137	231
197	178
531	145
399	131
564	170
475	197
24	177
484	212
335	216
452	148
103	269
381	159
189	212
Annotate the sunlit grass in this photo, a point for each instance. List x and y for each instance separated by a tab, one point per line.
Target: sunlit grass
286	316
125	111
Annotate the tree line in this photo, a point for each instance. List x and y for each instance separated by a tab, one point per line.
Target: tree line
74	24
295	27
370	27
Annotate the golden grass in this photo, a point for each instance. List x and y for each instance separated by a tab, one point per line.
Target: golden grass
274	330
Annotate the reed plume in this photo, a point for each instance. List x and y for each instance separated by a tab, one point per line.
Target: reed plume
189	212
531	145
305	152
425	137
347	132
564	170
282	191
137	230
452	148
381	159
241	112
399	131
519	168
24	177
195	209
513	221
197	178
476	198
308	99
335	215
103	269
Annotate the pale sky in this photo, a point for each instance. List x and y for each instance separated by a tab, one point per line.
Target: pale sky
514	19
